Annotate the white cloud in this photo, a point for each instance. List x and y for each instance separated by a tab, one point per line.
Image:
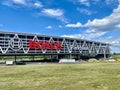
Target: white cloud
19	2
112	2
106	24
38	4
111	40
78	36
53	12
48	27
88	36
77	25
85	11
109	23
84	2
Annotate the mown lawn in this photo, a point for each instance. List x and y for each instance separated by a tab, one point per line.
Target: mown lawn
83	76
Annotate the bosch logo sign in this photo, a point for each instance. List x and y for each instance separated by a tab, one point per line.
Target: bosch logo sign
45	45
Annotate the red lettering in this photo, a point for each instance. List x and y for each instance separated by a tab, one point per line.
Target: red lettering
53	45
58	45
32	44
39	44
45	45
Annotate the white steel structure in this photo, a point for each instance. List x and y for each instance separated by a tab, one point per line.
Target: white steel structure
12	43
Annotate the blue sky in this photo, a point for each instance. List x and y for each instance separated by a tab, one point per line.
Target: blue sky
97	20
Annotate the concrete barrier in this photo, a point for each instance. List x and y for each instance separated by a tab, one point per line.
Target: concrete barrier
9	62
67	61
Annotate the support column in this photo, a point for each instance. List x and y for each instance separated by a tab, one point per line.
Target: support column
15	59
51	57
79	56
44	57
104	56
70	56
57	57
32	58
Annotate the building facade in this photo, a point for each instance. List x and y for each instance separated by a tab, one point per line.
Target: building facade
12	43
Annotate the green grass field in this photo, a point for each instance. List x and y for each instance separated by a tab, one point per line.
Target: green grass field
83	76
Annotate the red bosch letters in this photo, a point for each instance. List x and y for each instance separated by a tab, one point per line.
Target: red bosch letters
45	45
